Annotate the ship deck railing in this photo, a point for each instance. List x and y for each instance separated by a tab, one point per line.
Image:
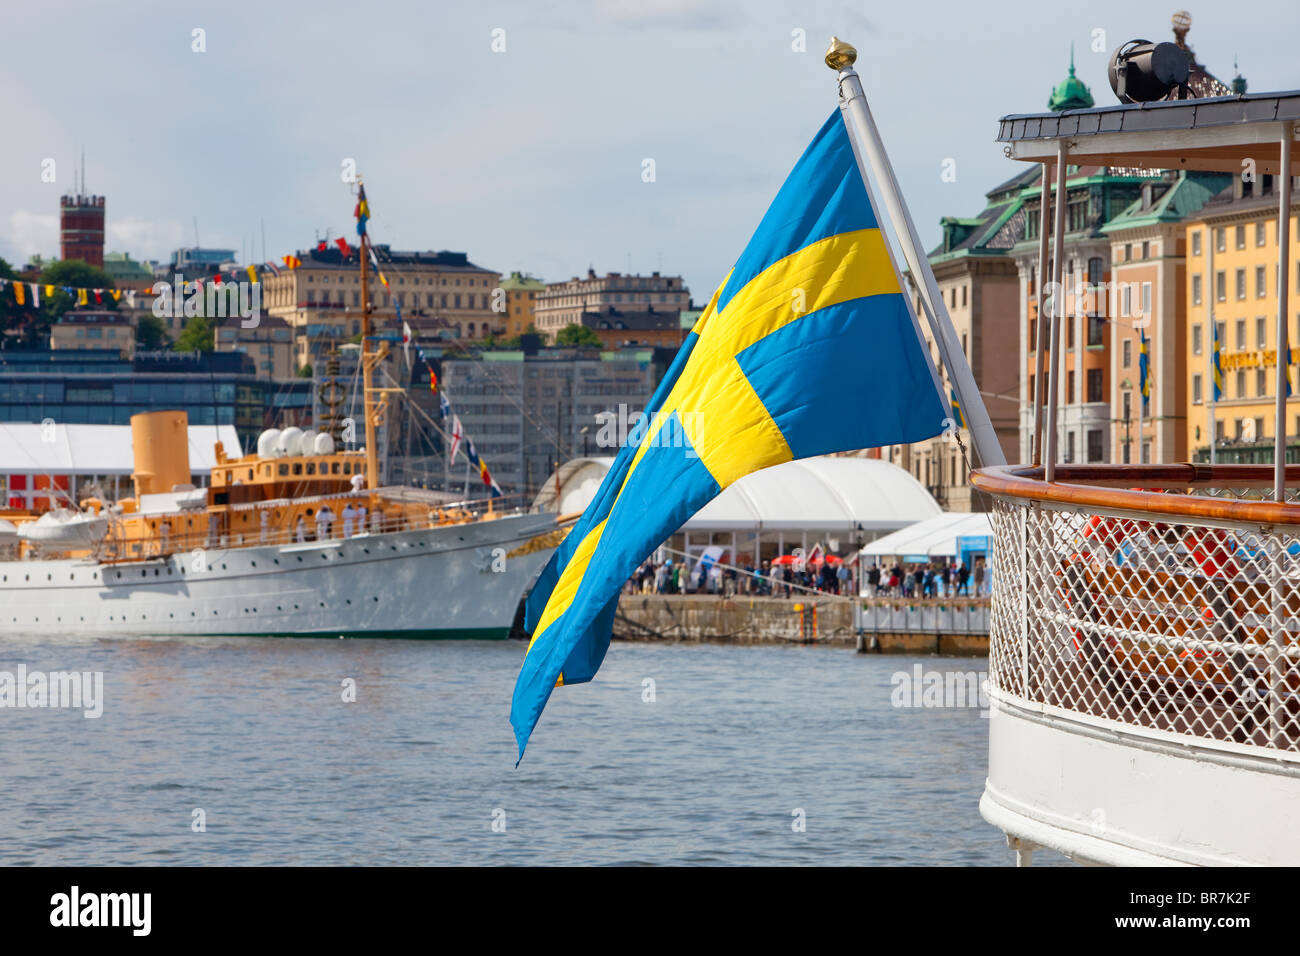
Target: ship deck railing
1157	600
409	509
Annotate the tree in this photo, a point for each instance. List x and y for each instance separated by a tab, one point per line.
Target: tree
196	336
305	371
151	333
77	275
574	334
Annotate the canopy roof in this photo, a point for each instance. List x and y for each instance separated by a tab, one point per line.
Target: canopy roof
813	494
934	537
1217	133
27	449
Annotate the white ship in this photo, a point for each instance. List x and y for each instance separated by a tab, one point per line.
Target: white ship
294	539
393	562
1144	656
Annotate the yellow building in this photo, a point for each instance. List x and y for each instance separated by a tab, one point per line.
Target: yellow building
437	293
94	330
521	302
1232	273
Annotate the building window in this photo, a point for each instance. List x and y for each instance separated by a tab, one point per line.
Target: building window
1196	289
1241	237
1146	250
1196	243
1219	240
1261	282
1196	390
1261	336
1261	382
1146	300
1241	335
1220	286
1095	380
1095	331
1197	339
1070	398
1260	233
1241	283
1241	384
1094	444
1069	447
1128	252
1126	300
1127	354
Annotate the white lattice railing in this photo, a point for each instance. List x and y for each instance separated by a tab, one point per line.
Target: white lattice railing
1175	608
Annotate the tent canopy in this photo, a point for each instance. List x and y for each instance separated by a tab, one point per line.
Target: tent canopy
838	495
33	449
934	537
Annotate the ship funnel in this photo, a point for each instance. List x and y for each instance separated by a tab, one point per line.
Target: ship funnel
160	443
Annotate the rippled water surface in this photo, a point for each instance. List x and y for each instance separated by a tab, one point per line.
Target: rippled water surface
256	734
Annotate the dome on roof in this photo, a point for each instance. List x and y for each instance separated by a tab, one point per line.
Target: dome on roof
1071	93
812	494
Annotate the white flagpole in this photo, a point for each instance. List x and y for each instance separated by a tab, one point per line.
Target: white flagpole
1283	318
1214	340
1141	357
866	140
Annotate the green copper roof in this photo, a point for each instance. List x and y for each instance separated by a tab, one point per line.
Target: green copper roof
518	280
1180	200
1070	93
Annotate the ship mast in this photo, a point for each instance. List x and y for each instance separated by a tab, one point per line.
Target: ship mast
369	360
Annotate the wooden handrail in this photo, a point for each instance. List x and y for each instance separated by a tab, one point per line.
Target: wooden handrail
1117	487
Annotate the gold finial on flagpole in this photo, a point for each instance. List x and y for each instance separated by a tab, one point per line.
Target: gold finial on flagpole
840	55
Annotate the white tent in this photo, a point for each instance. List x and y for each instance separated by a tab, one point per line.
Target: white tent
816	496
819	495
56	449
935	537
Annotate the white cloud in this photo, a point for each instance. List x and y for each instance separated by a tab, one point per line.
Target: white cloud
30	233
144	238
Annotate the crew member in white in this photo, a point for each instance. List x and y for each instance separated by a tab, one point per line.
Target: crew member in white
324	518
349	515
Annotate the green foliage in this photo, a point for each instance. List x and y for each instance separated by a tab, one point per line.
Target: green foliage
196	336
305	371
574	334
151	334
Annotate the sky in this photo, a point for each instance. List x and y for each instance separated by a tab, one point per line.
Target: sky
519	132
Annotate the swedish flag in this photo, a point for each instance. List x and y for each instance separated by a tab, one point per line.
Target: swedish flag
1144	371
1216	364
808	347
957	415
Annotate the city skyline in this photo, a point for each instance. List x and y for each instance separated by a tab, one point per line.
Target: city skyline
532	158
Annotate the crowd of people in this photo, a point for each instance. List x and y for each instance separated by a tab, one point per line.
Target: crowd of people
783	578
930	580
673	576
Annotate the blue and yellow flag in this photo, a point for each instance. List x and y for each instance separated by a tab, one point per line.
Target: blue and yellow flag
957	415
1144	372
809	347
1216	364
362	212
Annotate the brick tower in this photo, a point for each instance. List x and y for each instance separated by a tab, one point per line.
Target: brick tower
81	228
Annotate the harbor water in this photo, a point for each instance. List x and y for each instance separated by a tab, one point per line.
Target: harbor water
241	751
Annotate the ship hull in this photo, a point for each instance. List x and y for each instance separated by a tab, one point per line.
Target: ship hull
454	581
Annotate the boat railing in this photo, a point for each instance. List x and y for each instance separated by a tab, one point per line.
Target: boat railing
1161	601
400	513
